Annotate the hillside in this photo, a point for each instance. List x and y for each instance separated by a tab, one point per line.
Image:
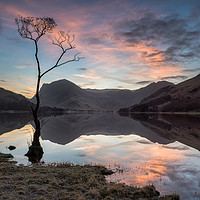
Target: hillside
12	121
183	97
181	128
65	94
12	101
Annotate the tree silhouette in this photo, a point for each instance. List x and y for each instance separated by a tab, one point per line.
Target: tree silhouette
34	28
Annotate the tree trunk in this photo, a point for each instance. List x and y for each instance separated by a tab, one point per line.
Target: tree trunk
35	151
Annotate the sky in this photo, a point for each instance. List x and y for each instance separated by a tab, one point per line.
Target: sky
124	44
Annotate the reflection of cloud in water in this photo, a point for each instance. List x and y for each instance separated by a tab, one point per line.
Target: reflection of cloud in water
173	167
86	139
169	167
18	134
28	129
127	143
81	155
144	142
19	138
12	121
178	148
192	155
121	136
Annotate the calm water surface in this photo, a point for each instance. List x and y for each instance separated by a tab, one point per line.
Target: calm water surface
159	150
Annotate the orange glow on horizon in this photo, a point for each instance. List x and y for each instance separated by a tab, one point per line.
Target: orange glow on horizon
110	61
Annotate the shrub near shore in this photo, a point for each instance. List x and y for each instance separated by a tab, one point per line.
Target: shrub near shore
66	181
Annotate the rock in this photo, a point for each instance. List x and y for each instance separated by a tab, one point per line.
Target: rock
11	147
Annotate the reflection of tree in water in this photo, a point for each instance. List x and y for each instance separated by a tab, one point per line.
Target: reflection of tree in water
35	151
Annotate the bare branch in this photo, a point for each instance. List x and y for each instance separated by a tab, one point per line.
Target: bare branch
58	65
74	59
62	39
54	43
34	28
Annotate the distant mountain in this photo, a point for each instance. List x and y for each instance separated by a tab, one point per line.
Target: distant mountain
65	94
149	89
12	101
183	97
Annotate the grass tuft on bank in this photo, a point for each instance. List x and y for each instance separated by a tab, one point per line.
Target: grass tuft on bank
66	182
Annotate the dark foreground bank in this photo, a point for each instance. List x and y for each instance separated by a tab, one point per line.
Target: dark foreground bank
66	182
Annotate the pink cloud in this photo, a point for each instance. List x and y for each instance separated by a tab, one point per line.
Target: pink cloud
107	57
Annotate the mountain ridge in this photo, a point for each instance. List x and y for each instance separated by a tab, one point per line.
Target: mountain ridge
12	101
67	95
183	97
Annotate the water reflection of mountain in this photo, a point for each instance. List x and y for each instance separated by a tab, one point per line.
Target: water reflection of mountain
66	128
11	121
182	128
63	129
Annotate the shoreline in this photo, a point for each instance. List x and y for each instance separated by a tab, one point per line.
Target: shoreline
66	181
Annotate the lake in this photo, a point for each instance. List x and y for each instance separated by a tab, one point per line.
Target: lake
143	149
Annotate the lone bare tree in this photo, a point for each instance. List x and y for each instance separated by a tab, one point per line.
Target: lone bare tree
34	28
